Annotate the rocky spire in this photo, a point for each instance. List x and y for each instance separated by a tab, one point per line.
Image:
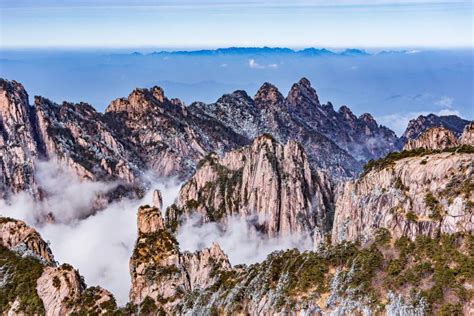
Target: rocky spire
149	220
157	199
302	94
139	100
435	138
267	95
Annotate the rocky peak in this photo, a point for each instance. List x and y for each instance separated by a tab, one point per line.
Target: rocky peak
18	140
139	101
238	95
149	220
417	126
467	137
301	93
268	183
409	196
434	138
157	199
368	119
347	113
24	240
268	94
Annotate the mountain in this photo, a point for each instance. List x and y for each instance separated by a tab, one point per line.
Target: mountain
310	51
270	185
301	117
452	122
148	131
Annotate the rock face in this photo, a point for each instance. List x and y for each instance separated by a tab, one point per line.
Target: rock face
467	137
48	289
417	126
160	273
434	138
24	240
18	145
424	195
269	184
79	136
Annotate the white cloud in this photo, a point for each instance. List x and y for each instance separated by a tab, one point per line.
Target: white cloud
445	101
254	65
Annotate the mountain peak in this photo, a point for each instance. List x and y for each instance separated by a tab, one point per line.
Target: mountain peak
268	94
302	93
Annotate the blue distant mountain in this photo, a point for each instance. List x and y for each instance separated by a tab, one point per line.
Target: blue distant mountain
265	51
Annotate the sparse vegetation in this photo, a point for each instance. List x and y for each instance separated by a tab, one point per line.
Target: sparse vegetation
20	275
391	158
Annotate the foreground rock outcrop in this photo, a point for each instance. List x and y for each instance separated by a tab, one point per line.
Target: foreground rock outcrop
383	277
270	185
32	283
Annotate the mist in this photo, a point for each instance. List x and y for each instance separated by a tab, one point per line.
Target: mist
239	240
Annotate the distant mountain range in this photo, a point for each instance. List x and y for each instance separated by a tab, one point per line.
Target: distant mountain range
311	51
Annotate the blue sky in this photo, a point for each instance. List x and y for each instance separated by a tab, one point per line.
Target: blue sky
197	24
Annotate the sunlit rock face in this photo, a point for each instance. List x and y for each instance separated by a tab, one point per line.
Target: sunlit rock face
434	138
467	137
18	144
421	195
269	184
24	240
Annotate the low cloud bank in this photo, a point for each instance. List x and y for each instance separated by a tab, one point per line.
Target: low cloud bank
240	240
99	246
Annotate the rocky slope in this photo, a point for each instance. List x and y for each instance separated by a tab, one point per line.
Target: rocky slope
382	277
427	189
417	126
270	185
434	138
32	283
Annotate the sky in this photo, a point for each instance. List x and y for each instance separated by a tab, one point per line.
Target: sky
199	24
